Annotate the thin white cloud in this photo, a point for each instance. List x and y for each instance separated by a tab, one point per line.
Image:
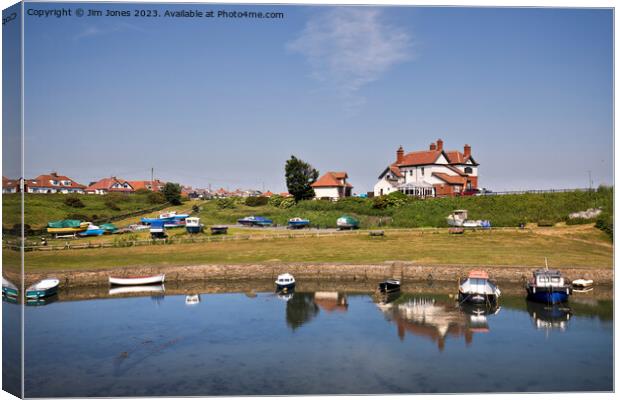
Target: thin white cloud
349	47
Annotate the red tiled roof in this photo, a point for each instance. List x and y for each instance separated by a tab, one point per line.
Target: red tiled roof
420	157
44	181
452	180
395	170
332	179
6	182
106	184
268	193
155	185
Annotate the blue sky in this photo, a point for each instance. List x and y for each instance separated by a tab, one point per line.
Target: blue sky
226	101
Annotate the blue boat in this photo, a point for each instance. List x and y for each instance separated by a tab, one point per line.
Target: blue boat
548	286
44	288
298	223
92	230
158	230
171	219
255	221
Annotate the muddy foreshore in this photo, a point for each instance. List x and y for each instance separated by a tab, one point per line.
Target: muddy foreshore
316	272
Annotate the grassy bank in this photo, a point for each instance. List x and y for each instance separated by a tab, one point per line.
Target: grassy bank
504	210
576	246
42	208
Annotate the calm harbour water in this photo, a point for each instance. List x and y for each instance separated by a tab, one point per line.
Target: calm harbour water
324	342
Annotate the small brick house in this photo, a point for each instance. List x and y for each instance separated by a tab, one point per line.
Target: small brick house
430	173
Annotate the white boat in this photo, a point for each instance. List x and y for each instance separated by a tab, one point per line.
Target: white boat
457	218
192	299
137	280
477	288
285	281
193	225
583	283
136	289
43	288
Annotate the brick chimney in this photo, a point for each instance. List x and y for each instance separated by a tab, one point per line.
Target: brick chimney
400	155
439	144
467	150
54	174
433	147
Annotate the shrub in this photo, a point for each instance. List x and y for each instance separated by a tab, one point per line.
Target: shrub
117	197
74	201
580	221
156	198
255	201
195	209
275	200
111	204
287	202
392	200
225	202
605	222
16	230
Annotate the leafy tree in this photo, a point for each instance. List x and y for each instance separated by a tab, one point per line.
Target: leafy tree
172	193
299	176
156	198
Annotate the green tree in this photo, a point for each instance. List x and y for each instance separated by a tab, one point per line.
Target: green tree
172	193
299	176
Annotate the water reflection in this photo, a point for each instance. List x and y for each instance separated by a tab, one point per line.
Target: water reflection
42	301
331	301
300	309
435	319
126	290
192	299
549	317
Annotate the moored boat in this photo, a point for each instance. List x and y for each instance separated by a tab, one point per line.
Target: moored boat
255	221
548	286
137	280
43	288
389	286
582	283
193	225
298	223
347	222
219	229
9	289
477	288
285	282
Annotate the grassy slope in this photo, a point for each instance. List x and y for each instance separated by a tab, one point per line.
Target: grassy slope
41	208
583	246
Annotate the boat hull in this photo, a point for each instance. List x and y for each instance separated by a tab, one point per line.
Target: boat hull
40	293
9	292
298	224
289	286
219	230
135	281
388	287
193	229
92	232
548	295
477	298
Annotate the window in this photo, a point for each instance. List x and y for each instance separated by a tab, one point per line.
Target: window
410	172
469	170
422	171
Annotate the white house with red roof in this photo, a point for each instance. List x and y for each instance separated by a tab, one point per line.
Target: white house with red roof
154	185
10	185
52	183
332	186
429	173
110	185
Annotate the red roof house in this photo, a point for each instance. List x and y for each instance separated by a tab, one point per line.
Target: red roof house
110	185
52	183
332	186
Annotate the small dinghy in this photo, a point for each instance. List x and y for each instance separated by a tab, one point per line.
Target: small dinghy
219	230
137	280
254	221
582	284
285	282
478	289
347	222
389	286
192	299
8	288
43	288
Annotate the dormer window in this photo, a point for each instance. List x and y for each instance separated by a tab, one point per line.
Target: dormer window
468	170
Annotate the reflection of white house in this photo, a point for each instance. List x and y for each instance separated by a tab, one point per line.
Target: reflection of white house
430	173
332	186
10	185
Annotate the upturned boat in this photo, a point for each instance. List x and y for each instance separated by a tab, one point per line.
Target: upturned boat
548	286
9	289
43	288
298	223
285	282
477	288
137	280
255	221
219	229
347	222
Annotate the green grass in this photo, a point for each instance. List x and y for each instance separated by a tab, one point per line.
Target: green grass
518	248
42	208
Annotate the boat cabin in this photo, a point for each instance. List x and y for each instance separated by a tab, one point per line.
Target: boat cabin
192	221
548	278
